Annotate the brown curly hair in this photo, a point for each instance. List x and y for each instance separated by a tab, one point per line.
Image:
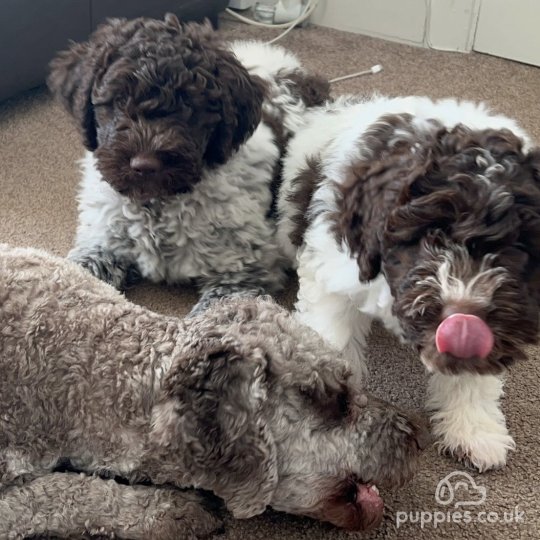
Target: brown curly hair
157	100
468	199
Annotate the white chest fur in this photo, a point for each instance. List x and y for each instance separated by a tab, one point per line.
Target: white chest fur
186	236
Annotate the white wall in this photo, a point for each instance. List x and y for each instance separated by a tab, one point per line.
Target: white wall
440	24
510	29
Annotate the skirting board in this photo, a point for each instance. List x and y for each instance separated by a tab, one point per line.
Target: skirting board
439	24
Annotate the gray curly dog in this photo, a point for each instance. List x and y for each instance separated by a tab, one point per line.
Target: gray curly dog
108	408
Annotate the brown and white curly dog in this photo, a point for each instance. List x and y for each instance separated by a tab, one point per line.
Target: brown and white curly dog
426	215
185	135
130	405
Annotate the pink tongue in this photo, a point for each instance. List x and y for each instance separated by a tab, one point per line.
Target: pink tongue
464	336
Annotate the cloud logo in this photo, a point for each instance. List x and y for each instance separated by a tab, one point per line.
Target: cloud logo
462	488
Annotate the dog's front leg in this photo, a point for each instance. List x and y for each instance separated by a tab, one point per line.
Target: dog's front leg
467	419
71	505
335	318
210	293
105	265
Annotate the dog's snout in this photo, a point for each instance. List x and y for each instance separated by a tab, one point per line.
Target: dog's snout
146	164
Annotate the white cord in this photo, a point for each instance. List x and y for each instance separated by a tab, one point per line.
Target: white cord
254	23
308	10
371	71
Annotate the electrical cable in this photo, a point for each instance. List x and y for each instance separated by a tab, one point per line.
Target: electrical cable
306	12
310	6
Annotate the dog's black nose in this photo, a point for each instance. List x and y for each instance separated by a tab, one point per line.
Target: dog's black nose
145	164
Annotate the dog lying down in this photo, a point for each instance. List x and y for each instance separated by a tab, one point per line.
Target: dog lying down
242	401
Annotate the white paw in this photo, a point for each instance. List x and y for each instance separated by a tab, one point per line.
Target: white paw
481	445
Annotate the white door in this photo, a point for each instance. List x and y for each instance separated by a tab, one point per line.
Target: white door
509	28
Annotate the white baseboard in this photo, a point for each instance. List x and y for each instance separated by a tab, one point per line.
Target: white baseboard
440	24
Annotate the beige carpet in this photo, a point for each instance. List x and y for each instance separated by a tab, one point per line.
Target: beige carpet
38	178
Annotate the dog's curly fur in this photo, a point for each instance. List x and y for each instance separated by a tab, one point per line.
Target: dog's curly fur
148	86
419	210
243	401
180	174
474	194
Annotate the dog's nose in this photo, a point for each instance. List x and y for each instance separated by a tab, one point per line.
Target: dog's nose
145	164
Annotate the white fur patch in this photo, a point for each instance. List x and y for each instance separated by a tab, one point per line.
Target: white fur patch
221	228
468	420
333	301
478	288
327	272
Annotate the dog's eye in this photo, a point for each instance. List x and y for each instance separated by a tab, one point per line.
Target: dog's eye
472	247
393	260
334	406
342	404
514	258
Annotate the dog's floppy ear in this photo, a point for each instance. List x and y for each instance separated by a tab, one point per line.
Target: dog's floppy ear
71	80
389	162
241	99
526	192
211	414
362	211
73	72
356	223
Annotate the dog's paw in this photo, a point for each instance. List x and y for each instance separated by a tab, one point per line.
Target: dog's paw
180	515
482	447
104	266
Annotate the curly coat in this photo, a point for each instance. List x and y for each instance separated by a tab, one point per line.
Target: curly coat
473	193
145	86
185	135
420	213
242	401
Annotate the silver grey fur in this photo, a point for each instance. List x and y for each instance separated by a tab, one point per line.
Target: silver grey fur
242	401
220	234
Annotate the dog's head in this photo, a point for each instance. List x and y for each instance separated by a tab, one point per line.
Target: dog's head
263	414
157	101
452	219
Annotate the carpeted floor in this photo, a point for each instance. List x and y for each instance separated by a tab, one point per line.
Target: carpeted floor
38	179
